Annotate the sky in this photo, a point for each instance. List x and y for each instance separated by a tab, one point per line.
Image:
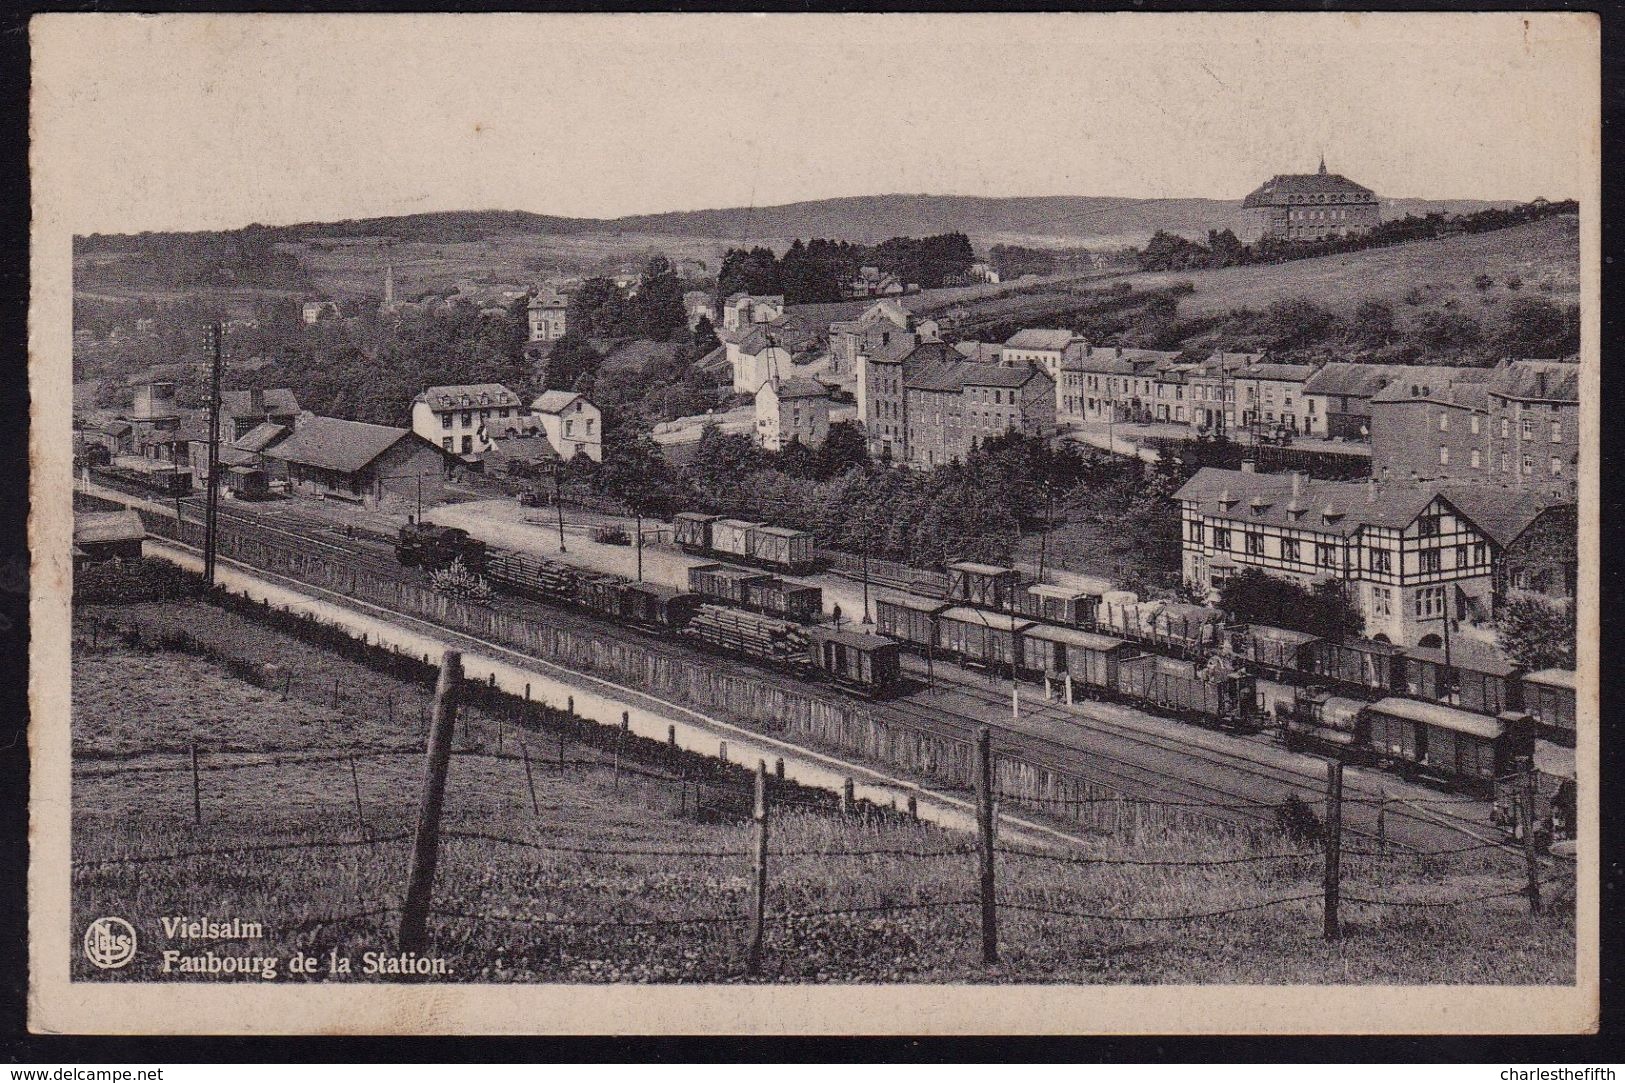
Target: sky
215	121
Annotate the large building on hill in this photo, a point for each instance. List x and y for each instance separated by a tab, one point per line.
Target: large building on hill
1307	207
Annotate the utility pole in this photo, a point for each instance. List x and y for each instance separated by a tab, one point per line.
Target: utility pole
867	541
639	513
558	500
1043	535
212	507
984	847
1334	848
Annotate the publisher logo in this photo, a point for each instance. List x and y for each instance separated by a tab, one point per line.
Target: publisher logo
110	943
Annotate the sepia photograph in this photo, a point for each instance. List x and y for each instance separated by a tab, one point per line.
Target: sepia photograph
861	523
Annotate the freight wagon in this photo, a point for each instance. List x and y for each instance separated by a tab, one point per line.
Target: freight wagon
782	598
753	635
734	538
987	585
1548	698
652	605
1187	690
866	663
1329	725
1080	660
1476	679
1279	650
1172	625
1359	663
1458	748
691	530
783	549
911	621
718	582
433	548
1066	606
979	638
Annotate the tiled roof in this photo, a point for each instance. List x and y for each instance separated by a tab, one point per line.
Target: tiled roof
522	448
799	387
953	376
90	527
1501	513
468	396
332	443
261	436
1277	188
1332	507
551	402
1115	360
1539	381
1349	379
1277	371
1039	338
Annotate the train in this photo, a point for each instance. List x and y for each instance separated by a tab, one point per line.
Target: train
1464	724
148	475
776	548
760	618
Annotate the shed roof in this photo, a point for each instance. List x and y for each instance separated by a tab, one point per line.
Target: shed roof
1537	381
94	527
1554	678
553	402
862	641
1554	761
261	436
1437	714
798	387
332	443
1039	338
1072	637
1002	622
274	400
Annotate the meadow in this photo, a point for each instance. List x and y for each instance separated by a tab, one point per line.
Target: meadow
630	869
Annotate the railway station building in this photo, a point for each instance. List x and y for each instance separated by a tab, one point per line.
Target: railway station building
358	463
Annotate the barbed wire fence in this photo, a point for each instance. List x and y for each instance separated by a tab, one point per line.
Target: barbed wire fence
708	788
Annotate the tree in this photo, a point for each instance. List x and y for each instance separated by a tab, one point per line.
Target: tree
1536	632
1536	327
705	337
636	473
598	308
1373	323
1324	610
656	312
571	358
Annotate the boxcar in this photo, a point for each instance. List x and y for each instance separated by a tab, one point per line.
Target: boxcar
735	537
1554	778
1278	649
1169	624
719	582
1477	679
1363	663
986	585
657	606
912	621
871	664
980	637
1454	746
783	598
1058	605
1187	690
783	548
1331	725
1548	698
692	531
1088	659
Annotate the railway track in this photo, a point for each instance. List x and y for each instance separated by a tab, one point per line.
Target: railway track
1123	758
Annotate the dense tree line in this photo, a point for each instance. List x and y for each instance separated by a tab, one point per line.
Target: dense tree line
1324	609
241	258
601	309
818	270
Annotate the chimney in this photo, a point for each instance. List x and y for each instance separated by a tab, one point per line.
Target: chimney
1370	490
1248	466
1540	381
256	400
1297	485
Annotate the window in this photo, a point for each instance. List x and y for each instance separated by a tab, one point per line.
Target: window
445	421
1461	556
1430	603
1506	428
1290	550
1255	544
1221	538
1557	466
468	417
1196	531
1528	464
1444	422
446	443
1382	602
1428	525
1528	428
1444	455
569	428
1326	555
1430	561
1473	422
1382	560
1557	432
1475	458
468	445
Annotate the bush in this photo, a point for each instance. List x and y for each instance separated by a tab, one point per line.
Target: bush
458	582
123	581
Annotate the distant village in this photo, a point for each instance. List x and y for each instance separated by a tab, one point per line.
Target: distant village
1430	490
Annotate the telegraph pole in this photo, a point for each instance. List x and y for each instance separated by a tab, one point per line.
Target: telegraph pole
212	497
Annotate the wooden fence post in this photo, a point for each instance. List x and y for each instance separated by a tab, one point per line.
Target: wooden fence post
913	807
561	753
778	768
287	683
1382	824
1334	846
355	786
1526	811
389	705
426	848
335	691
722	751
758	902
530	781
846	797
671	736
984	837
197	796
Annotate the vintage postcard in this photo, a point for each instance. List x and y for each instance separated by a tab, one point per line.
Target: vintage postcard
815	524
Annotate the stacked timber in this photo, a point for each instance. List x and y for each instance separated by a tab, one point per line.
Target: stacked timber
751	634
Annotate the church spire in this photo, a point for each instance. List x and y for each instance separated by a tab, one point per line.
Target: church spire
1322	163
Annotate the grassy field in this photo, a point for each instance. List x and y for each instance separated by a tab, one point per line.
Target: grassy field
659	893
1535	254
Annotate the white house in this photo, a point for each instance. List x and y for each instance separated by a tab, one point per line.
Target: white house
573	425
744	309
754	357
546	313
454	417
316	311
1037	345
792	408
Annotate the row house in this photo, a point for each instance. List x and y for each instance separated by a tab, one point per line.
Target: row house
1212	389
878	327
1409	556
1038	346
455	416
1339	396
1430	427
1270	397
1534	423
1113	384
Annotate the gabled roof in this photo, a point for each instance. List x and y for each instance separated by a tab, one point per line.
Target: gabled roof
925	352
1329	507
1349	379
261	436
467	396
985	352
1039	338
332	443
553	402
522	449
1278	371
1115	360
955	376
1537	381
276	400
1502	514
548	298
797	387
1279	187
